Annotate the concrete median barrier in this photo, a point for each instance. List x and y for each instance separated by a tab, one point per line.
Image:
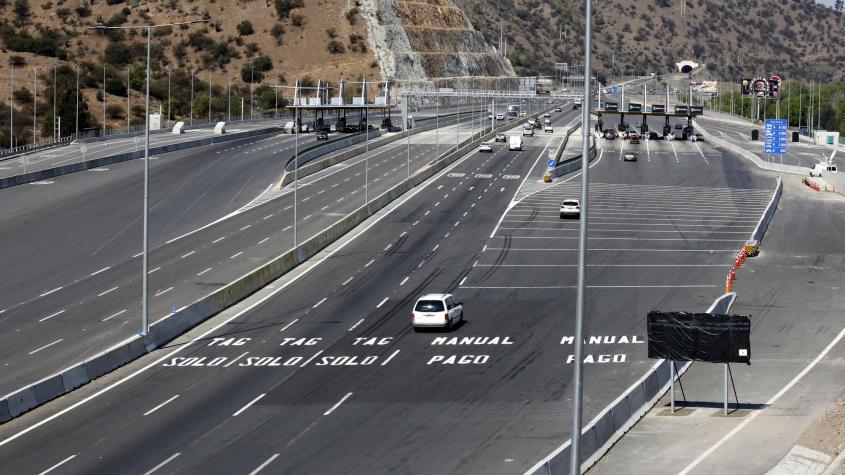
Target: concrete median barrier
766	218
4	411
122	157
173	325
48	389
619	416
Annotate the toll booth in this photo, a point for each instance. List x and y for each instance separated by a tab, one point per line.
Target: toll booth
657	111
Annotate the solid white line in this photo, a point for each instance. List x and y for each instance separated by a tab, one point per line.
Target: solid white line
188	254
266	463
382	302
53	315
353	326
50	292
344	398
45	346
203	272
107	291
160	405
236	255
320	302
289	324
101	270
388	247
403	281
163	291
390	357
435	247
162	464
311	358
248	404
769	403
705	286
612	249
288	227
246	227
112	316
58	464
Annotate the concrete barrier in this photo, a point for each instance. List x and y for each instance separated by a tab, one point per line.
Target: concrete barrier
99	162
179	128
220	128
618	417
166	329
766	218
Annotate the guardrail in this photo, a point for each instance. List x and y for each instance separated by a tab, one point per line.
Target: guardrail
619	417
32	148
99	162
166	329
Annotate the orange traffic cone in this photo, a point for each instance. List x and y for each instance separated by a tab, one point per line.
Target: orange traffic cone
733	275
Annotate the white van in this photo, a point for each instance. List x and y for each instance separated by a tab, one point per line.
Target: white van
819	168
515	143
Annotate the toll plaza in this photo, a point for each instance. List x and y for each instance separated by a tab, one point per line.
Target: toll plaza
657	110
321	105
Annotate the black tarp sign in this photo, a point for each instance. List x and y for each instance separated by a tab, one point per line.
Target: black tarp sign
634	107
658	108
696	109
683	336
611	106
680	109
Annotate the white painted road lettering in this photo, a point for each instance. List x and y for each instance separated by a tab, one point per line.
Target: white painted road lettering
346	361
364	341
456	359
472	340
604	340
300	341
589	359
229	341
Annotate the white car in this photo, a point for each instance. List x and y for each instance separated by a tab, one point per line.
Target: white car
547	114
485	147
501	138
515	142
547	121
437	310
570	207
670	136
527	130
522	114
500	116
548	128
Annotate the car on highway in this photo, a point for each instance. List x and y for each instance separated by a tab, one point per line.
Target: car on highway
537	123
547	114
557	109
634	137
522	114
515	142
692	138
322	135
437	311
501	138
570	208
669	137
653	136
547	121
630	156
500	116
609	134
485	147
679	127
548	128
528	130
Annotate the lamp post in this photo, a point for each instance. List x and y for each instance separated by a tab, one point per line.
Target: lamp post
35	106
192	97
145	323
12	109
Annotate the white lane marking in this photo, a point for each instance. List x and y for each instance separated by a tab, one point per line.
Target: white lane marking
188	254
702	154
347	281
403	233
289	324
462	281
457	223
236	255
58	464
263	240
390	358
248	404
415	222
356	325
157	268
287	207
45	346
163	291
218	240
267	217
320	302
437	204
203	272
382	302
435	247
286	228
50	292
266	463
160	405
543	287
388	247
162	464
769	403
236	359
369	263
101	270
404	280
311	358
113	315
107	291
306	217
246	227
53	315
427	212
344	398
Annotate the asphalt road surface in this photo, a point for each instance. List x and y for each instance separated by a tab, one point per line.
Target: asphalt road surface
72	288
324	374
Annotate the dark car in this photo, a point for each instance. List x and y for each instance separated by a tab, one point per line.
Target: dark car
609	134
322	135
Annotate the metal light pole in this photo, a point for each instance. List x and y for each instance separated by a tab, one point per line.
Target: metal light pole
575	447
192	97
229	100
55	67
76	135
12	109
295	161
128	95
104	98
169	69
209	96
145	323
251	82
35	106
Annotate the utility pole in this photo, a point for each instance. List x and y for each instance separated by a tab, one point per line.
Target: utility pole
35	106
12	109
251	82
192	95
55	67
229	100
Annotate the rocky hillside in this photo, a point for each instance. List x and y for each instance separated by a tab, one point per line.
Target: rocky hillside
792	38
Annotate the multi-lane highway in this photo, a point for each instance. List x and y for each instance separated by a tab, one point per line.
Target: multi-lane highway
322	373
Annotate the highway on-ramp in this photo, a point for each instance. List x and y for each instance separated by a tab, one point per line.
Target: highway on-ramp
324	375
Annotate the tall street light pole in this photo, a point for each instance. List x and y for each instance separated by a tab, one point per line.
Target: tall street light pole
55	68
145	321
12	109
76	135
35	105
575	447
192	96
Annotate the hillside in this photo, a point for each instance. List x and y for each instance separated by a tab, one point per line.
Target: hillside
792	38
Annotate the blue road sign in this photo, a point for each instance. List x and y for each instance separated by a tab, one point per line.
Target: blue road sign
551	163
613	89
776	139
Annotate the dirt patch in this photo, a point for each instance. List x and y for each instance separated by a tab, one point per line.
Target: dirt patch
827	433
